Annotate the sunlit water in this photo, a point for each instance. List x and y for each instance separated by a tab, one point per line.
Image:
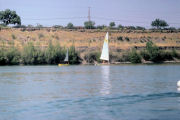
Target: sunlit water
124	92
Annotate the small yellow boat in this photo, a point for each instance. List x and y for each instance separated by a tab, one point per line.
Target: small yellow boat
62	65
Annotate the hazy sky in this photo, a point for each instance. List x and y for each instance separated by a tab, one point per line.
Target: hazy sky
125	12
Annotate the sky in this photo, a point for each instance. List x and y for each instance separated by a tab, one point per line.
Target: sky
124	12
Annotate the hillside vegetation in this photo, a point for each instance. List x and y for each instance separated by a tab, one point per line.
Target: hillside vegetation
89	41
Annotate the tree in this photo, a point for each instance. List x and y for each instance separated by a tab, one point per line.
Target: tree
39	26
89	24
140	28
10	17
120	27
112	24
159	23
101	26
70	26
153	52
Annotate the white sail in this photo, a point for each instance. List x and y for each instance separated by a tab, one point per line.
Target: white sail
105	50
67	57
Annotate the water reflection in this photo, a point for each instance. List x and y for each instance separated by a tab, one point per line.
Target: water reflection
106	83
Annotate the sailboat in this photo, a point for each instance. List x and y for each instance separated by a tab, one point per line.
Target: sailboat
66	60
105	50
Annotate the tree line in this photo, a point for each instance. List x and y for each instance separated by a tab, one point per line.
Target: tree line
10	17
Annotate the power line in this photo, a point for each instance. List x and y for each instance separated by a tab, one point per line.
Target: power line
129	21
121	20
95	17
54	18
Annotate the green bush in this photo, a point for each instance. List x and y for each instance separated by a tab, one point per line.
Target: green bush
54	54
124	57
145	55
2	57
13	56
127	39
40	35
101	27
70	26
10	56
29	54
175	54
134	57
13	36
74	56
120	38
92	57
166	55
154	52
89	25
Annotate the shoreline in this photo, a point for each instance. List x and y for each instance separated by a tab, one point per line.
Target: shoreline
92	64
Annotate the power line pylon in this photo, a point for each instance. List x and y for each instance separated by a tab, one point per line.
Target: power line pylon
89	13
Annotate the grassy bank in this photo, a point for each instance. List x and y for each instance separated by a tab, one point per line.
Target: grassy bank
54	54
31	55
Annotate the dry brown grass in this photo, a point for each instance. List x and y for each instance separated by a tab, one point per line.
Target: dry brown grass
84	40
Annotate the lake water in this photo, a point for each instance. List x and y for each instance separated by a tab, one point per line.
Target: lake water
122	92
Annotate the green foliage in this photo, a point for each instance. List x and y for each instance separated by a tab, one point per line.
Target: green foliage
30	26
54	54
2	25
112	24
120	38
101	27
124	57
39	26
127	39
89	24
140	28
120	27
13	36
153	51
40	35
73	56
175	54
29	54
159	23
12	56
2	57
130	27
58	26
134	57
9	17
70	26
166	55
92	57
145	55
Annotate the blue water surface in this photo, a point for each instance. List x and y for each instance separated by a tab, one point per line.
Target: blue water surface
122	92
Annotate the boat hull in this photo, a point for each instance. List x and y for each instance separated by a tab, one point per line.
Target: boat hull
62	65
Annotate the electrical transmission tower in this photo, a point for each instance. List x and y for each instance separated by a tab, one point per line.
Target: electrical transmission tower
89	14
